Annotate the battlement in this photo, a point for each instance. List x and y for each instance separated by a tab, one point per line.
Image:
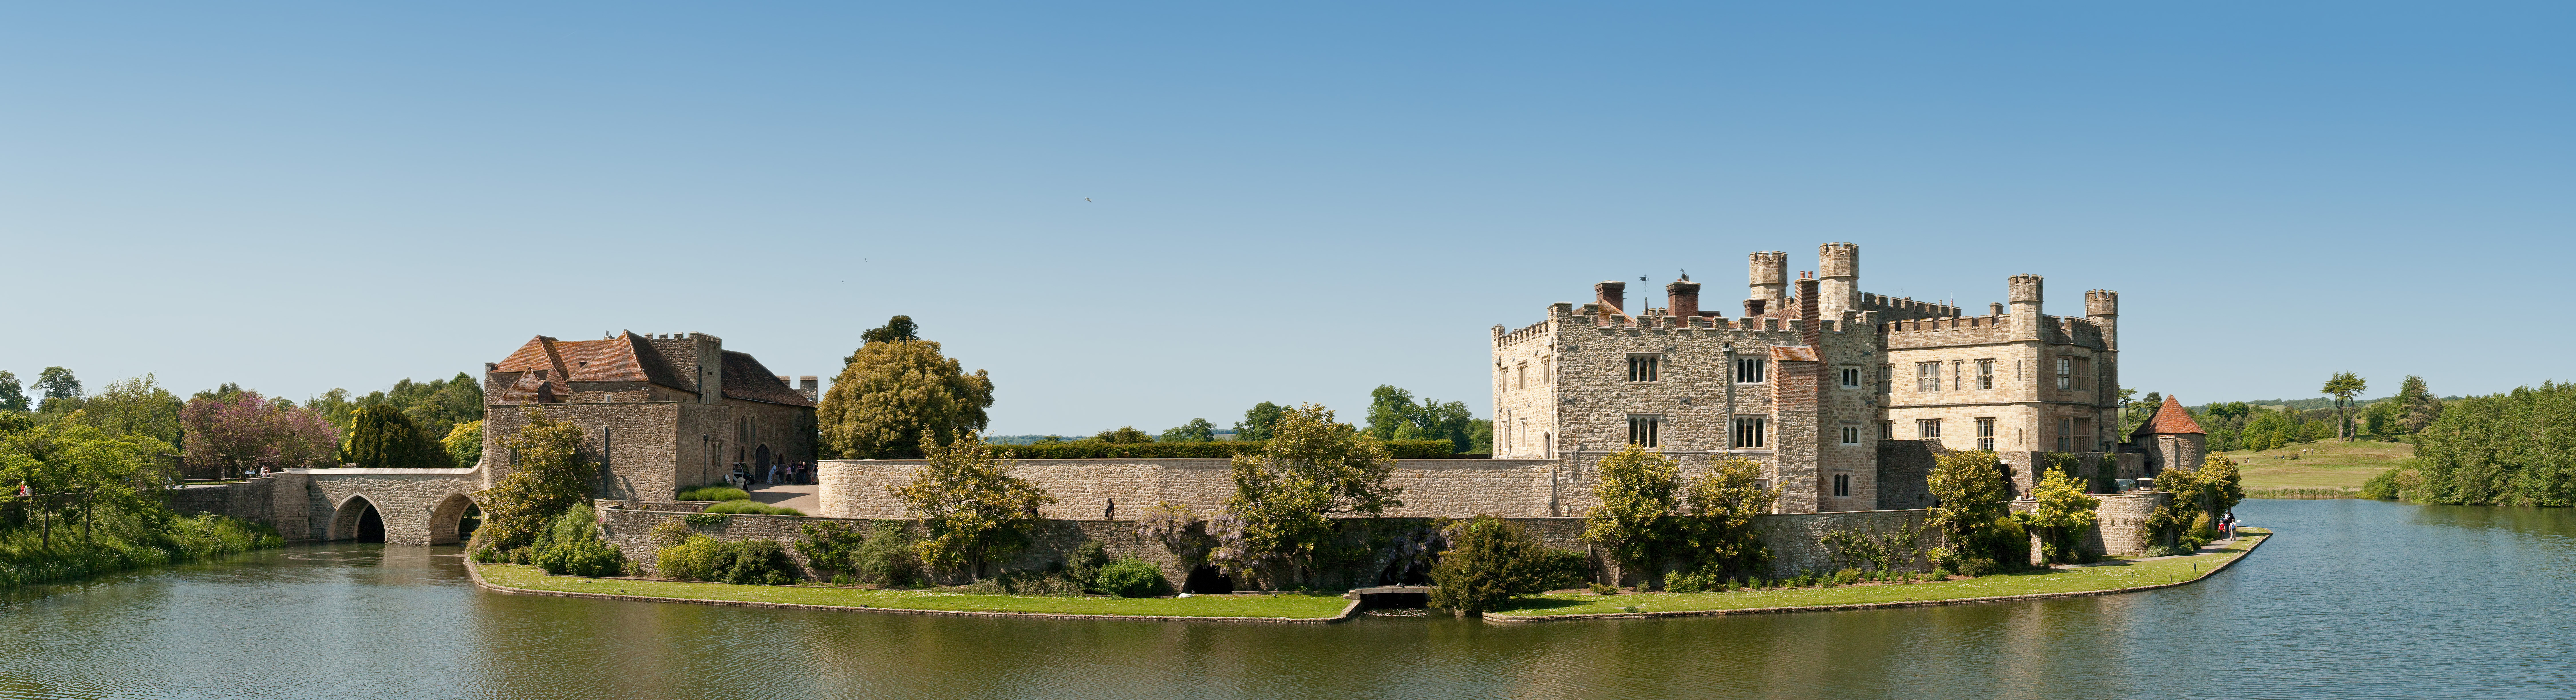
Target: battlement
1905	307
1949	330
1527	333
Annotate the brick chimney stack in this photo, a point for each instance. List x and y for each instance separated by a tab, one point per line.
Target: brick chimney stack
811	386
1683	298
1613	296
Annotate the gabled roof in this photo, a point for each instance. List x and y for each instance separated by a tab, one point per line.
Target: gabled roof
1793	353
744	378
2170	419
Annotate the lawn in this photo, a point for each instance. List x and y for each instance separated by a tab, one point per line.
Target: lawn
2104	576
2325	464
1286	605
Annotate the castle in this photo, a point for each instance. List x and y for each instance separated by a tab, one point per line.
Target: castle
1840	394
660	412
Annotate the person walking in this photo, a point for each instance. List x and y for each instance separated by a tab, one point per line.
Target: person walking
1111	512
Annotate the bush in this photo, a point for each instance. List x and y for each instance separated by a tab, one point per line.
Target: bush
1973	567
669	533
571	545
1565	569
887	557
1704	580
1130	577
1026	584
1087	562
1604	589
753	563
1487	563
750	507
1846	577
691	560
713	492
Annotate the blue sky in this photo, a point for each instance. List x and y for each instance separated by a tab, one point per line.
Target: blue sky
1285	203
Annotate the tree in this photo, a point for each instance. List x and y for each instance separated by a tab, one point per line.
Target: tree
1123	435
1256	422
57	385
1311	468
2062	514
136	406
1389	409
550	475
1636	489
1488	562
1969	496
972	507
2343	386
1717	529
381	437
246	431
899	329
1393	415
11	398
894	392
1197	430
436	406
70	458
2420	405
464	444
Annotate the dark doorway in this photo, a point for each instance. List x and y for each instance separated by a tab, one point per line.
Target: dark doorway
760	458
371	527
465	525
1207	580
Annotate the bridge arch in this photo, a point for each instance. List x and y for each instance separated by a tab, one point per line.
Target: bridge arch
452	520
358	519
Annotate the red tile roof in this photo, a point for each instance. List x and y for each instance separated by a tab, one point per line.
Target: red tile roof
2170	419
1793	353
745	378
628	358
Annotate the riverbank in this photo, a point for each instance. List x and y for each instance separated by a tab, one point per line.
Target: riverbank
2324	469
1285	608
122	542
2108	577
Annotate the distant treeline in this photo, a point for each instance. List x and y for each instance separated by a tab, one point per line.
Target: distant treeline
2514	448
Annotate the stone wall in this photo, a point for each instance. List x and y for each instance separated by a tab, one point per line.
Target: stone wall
1795	540
418	506
2115	528
1905	473
1083	487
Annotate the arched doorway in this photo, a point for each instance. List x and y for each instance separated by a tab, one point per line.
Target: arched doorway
1207	580
760	457
453	520
358	520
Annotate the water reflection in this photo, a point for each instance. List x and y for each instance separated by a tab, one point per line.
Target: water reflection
2357	599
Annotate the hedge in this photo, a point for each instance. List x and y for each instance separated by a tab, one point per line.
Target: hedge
1225	449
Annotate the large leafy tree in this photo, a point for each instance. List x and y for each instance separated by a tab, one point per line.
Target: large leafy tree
896	330
436	406
1284	496
2419	405
381	437
1394	415
2062	514
12	397
1488	562
73	468
894	391
1197	430
1717	527
464	444
974	510
1970	496
245	431
1257	421
2343	386
1637	489
136	406
60	390
551	474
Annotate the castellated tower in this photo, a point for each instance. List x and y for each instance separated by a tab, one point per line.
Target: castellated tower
2102	306
1838	270
1770	281
2025	294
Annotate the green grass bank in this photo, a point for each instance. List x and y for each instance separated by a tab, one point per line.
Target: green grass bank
1291	606
2108	576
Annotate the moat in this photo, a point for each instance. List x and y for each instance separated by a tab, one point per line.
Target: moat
2353	599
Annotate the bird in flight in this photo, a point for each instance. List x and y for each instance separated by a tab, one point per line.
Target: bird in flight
1086	199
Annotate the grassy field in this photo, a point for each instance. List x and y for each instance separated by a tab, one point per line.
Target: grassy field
2325	465
1291	605
2105	576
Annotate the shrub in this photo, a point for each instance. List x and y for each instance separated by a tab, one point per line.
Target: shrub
1488	562
843	579
669	533
571	545
753	562
1130	577
830	546
692	560
1604	589
1087	562
1564	569
714	492
1973	567
887	557
1703	580
1025	584
1847	577
750	507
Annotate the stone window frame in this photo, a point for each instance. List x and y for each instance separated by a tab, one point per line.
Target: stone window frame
1644	430
1985	374
1887	379
1851	435
2085	432
1749	432
1986	434
1927	374
1520	376
1752	370
1927	428
2065	434
1842	485
1887	430
1644	366
1851	377
2065	372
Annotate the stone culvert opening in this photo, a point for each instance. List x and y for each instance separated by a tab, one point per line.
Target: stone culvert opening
1207	580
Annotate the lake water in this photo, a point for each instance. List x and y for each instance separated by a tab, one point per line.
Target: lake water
2353	599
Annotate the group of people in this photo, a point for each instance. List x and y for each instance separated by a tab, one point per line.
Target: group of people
745	475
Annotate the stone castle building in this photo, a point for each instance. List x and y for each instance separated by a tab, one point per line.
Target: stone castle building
1842	395
660	412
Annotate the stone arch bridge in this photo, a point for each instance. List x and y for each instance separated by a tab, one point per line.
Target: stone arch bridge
394	506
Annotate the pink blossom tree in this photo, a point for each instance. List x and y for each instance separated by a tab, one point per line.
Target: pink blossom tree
249	431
